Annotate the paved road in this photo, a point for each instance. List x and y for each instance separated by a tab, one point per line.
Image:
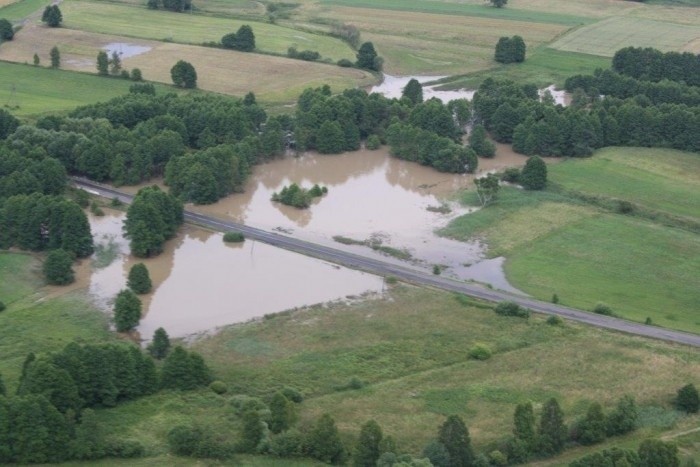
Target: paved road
383	268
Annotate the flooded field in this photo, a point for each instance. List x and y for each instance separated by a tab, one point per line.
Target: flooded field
201	283
125	50
376	205
392	87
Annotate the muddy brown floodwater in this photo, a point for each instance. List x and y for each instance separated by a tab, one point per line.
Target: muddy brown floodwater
201	283
372	197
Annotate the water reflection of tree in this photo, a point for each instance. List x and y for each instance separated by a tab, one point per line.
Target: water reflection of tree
301	217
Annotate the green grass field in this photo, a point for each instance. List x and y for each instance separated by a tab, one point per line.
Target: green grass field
21	9
137	21
557	244
38	90
659	179
608	36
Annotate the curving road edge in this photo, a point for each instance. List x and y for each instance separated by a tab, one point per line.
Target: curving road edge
382	268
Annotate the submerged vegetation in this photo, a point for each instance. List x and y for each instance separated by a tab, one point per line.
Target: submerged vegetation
301	198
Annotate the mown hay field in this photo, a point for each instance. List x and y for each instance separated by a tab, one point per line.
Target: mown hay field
413	42
138	21
273	79
15	10
608	36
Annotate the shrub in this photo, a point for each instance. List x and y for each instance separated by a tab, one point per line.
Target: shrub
511	175
603	309
345	63
511	309
373	142
554	320
293	394
555	298
287	444
219	387
436	270
125	449
2	306
497	458
233	237
688	399
142	88
480	352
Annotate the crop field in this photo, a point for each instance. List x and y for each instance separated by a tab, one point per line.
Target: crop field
606	37
133	21
30	90
660	179
273	79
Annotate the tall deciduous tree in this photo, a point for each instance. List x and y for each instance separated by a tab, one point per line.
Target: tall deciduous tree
115	63
184	75
102	63
139	280
55	56
480	143
454	435
688	399
552	430
592	428
323	441
623	418
184	370
367	57
282	413
152	218
656	453
534	174
58	267
160	345
127	311
367	450
524	425
52	16
245	39
413	91
498	3
7	32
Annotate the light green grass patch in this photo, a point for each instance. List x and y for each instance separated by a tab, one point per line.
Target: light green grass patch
637	268
454	8
38	90
20	276
660	179
137	21
21	9
542	67
610	35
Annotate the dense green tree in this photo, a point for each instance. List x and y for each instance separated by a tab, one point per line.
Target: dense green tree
367	449
688	399
7	32
54	383
184	75
534	174
480	143
184	370
437	453
518	49
55	56
58	267
3	389
524	425
592	429
282	413
614	457
152	218
454	435
102	63
127	311
36	60
510	50
367	57
139	280
657	453
160	345
245	39
252	433
498	3
552	431
136	74
323	442
623	418
330	139
413	91
52	16
8	123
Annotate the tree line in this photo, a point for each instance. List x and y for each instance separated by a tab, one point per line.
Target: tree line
50	418
649	64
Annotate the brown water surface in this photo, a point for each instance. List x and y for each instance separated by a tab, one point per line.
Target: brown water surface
201	283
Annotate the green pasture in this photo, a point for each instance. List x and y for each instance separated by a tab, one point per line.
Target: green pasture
133	21
465	9
21	9
544	66
610	35
29	90
659	179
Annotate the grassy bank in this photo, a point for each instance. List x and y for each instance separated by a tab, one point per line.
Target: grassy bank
555	243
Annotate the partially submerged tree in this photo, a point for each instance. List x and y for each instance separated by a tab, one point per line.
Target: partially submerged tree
127	311
160	345
58	267
139	280
413	91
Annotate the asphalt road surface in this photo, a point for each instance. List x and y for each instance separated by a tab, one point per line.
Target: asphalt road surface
382	268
